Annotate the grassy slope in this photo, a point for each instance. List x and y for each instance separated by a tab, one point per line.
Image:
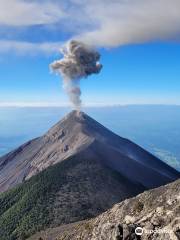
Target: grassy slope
24	209
66	192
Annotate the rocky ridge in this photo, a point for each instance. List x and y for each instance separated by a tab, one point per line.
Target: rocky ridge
155	211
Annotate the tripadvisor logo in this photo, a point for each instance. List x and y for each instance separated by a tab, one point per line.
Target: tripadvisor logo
139	231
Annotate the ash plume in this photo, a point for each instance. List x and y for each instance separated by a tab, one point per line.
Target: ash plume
79	62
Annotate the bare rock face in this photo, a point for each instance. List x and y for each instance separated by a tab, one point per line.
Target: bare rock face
154	214
75	133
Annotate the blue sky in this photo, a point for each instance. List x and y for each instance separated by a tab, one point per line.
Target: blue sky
139	66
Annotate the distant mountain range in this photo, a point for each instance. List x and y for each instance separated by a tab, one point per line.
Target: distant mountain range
77	170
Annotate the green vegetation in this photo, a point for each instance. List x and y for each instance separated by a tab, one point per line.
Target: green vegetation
28	208
69	191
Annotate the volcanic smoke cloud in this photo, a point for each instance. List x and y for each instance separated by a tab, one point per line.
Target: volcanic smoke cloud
79	62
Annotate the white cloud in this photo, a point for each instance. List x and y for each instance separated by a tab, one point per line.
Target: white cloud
27	47
24	13
101	23
131	21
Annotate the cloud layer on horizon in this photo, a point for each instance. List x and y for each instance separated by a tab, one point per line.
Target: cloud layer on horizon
101	23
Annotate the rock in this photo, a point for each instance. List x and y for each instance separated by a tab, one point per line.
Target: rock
159	220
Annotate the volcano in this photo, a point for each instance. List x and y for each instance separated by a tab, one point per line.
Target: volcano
76	171
77	133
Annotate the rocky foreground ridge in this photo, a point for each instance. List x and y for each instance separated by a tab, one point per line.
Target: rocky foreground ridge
155	211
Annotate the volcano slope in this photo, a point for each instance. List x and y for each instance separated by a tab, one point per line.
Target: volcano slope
75	189
73	134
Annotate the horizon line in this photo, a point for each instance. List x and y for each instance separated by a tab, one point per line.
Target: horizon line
45	104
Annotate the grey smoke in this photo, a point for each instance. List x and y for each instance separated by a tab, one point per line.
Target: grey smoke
79	61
